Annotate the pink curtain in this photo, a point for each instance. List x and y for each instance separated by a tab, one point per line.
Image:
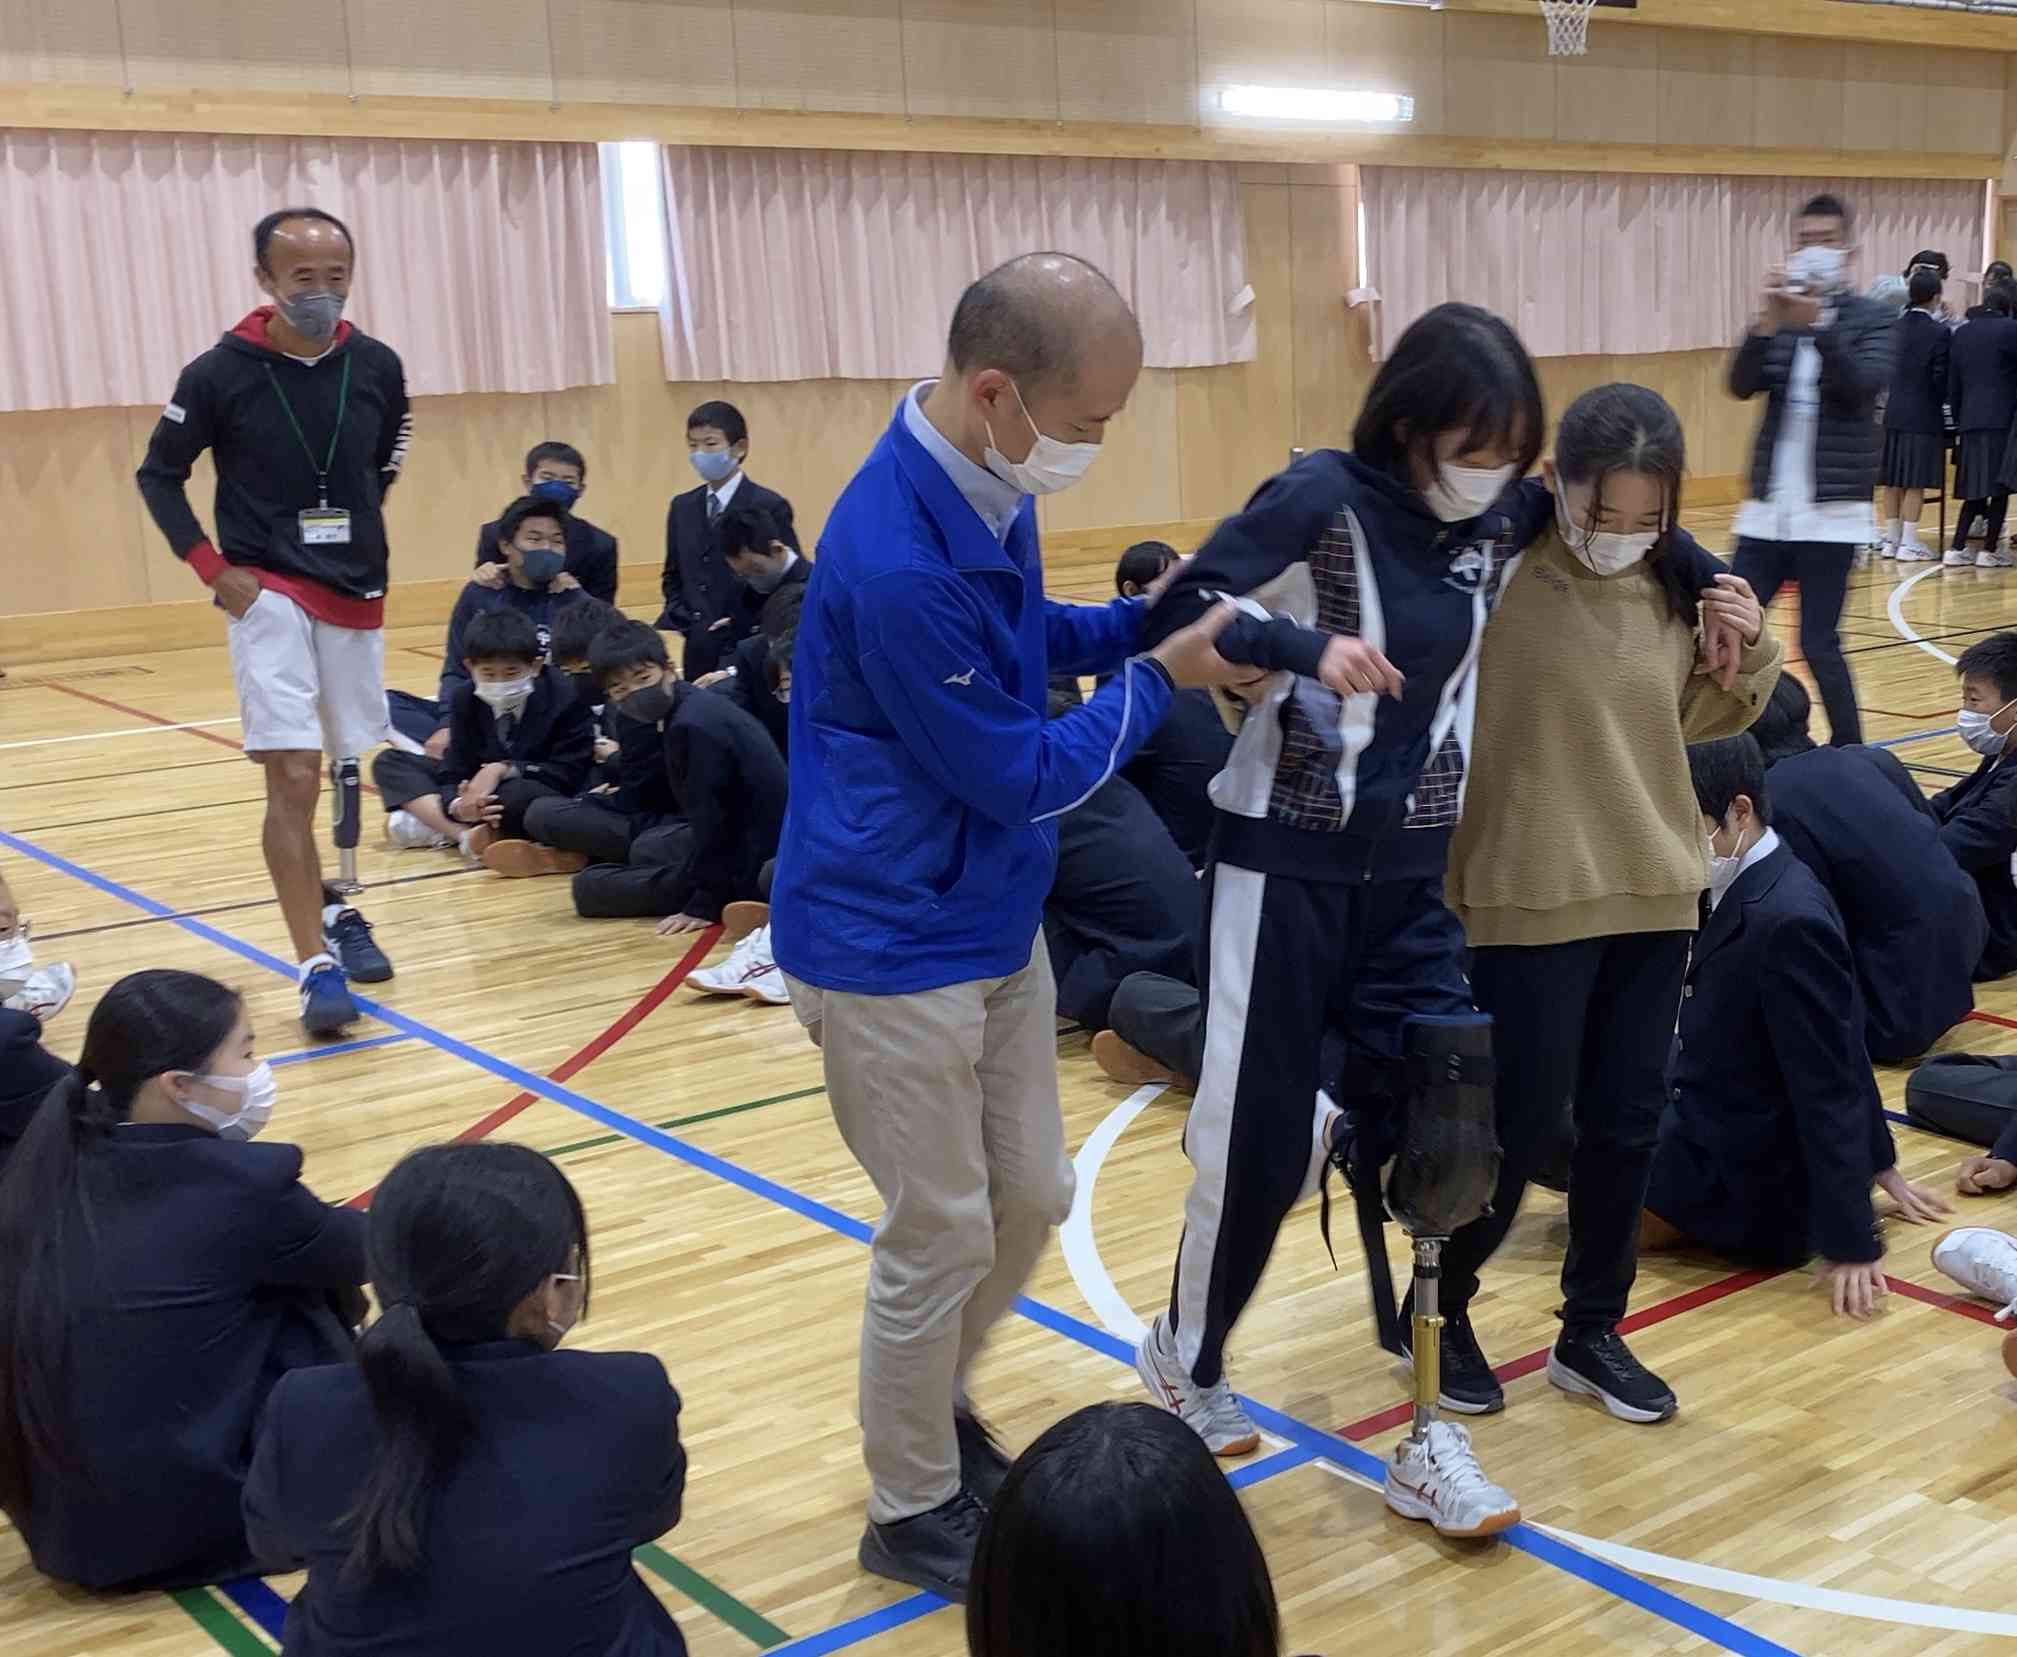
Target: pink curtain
123	255
1588	264
823	264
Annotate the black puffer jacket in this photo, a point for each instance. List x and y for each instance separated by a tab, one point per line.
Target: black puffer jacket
1855	367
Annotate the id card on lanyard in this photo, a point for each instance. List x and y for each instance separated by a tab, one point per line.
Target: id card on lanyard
322	525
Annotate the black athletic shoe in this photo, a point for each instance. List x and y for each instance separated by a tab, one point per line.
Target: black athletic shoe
983	1464
348	938
1468	1385
931	1550
1597	1363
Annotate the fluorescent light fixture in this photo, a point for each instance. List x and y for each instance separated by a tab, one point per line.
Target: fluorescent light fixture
1320	104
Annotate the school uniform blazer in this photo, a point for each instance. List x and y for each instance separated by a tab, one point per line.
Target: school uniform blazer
1914	918
591	554
699	589
1918	375
574	1460
28	1070
729	781
1982	373
749	689
553	741
539	606
207	1275
1978	824
1770	1097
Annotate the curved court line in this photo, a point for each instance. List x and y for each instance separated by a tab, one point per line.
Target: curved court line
1075	1236
1895	608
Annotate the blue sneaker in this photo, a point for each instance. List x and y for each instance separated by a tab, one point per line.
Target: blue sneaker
326	1007
348	938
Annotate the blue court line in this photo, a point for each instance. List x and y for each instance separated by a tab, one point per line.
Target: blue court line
1917	736
1282	1461
1718	1630
864	1627
302	1055
258	1601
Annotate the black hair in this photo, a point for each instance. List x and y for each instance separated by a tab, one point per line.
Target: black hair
1116	1535
2000	297
564	453
1996	271
1142	563
725	418
1829	206
1994	659
1722	770
1923	286
780	611
500	636
1457	368
526	506
459	1236
626	644
1630	428
748	529
1929	258
1011	320
778	663
575	626
146	1024
1780	729
262	232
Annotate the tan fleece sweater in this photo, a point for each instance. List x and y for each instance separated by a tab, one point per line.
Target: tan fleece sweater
1579	817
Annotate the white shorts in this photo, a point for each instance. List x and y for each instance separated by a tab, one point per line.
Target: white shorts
305	684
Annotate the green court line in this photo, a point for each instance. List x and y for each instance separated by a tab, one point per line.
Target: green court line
752	1625
688	1121
215	1619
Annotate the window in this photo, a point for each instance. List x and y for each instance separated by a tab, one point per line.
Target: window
633	212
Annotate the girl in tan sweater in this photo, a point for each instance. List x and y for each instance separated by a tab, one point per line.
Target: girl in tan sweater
1577	868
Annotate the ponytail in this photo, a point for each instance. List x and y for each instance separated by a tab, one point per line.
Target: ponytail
424	1427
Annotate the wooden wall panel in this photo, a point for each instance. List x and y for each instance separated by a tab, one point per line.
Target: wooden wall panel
1332	367
1799	103
66	482
807	438
977	57
1498	80
1388	49
75	43
1611	95
280	45
453	48
1127	60
1964	102
819	54
1884	96
1258	43
1135	480
1708	92
645	51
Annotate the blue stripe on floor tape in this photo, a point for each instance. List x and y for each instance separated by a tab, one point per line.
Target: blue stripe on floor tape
1917	736
303	1054
1282	1461
1718	1630
857	1629
259	1602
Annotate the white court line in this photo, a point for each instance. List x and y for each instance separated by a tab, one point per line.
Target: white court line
1906	631
1082	1252
137	730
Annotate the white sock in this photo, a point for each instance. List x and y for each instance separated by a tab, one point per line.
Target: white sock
323	960
329	913
1891	530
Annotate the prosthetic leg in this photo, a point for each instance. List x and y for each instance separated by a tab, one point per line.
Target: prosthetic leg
346	818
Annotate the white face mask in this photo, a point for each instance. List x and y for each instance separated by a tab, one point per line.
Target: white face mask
1461	493
1604	552
258	1090
1976	733
17	960
506	695
1051	464
1818	269
1723	870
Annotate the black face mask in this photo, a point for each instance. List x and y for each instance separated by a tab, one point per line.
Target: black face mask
649	705
541	565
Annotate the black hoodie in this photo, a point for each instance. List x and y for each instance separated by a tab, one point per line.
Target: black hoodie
229	401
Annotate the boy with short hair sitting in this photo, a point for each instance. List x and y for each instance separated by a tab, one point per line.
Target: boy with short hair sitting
1978	815
557	474
1773	1131
517	734
758	677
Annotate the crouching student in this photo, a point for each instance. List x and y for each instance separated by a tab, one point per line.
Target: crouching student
465	1486
557	476
758	677
723	775
1773	1132
516	734
158	1276
1978	816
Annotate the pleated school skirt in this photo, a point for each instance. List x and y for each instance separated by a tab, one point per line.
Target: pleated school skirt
1913	460
1978	470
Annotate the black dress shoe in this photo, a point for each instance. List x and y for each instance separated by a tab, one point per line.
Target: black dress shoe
933	1551
983	1463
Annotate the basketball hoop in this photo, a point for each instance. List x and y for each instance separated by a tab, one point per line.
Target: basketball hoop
1568	26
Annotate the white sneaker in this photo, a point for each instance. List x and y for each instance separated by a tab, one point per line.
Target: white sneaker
17	961
409	833
1959	558
1994	558
1213	1413
749	959
46	992
769	987
1438	1478
1887	549
1982	1261
1912	552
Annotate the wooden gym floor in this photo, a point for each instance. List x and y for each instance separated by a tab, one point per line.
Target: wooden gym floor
1827	1488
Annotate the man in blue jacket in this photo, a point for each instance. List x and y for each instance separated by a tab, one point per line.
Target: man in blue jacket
920	841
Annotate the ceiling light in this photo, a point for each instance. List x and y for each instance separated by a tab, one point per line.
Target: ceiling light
1311	103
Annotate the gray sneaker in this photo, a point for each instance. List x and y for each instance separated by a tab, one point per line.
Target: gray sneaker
933	1551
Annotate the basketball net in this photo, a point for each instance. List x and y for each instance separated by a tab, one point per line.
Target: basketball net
1568	26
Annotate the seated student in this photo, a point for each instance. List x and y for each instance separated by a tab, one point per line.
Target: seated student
1978	817
465	1486
1115	1535
517	734
158	1275
556	475
763	562
1773	1131
1141	564
724	776
533	535
1914	919
703	602
42	990
758	677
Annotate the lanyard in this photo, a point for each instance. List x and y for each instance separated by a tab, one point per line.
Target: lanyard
301	437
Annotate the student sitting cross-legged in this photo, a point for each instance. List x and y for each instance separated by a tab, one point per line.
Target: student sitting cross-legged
158	1276
516	734
1773	1131
465	1486
758	676
1978	816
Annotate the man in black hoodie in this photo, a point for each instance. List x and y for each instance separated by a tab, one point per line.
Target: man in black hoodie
307	422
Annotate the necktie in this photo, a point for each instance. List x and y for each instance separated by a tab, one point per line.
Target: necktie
713	508
507	726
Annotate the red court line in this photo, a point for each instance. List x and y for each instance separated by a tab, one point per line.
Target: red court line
139	713
575	1062
1709	1293
1993	1018
1946	1302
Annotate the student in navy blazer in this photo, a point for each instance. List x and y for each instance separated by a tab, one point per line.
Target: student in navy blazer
1978	815
557	474
1773	1131
158	1276
465	1487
